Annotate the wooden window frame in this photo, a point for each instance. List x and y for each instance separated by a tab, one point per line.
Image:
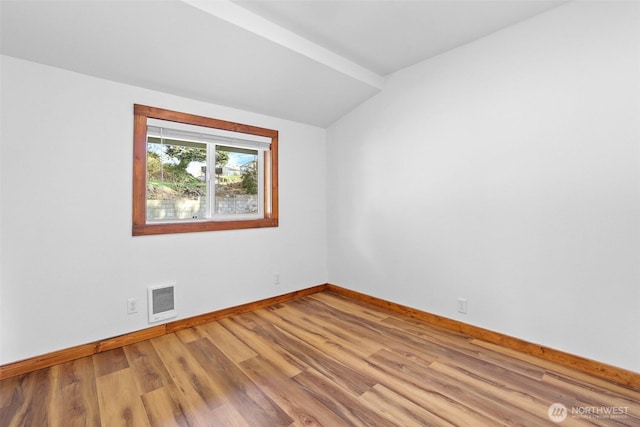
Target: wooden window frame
140	225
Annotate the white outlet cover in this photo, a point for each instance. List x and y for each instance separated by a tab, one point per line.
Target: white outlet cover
462	305
132	306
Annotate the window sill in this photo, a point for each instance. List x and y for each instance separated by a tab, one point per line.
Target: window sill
200	225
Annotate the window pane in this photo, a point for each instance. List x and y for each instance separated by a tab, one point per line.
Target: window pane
176	180
236	181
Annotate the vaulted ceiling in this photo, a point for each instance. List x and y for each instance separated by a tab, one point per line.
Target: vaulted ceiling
310	61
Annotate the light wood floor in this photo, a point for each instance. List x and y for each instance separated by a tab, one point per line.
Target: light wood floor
322	360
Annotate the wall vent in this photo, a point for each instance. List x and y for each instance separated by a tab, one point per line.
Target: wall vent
162	302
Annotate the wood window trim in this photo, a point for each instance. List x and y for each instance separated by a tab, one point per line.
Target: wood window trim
141	227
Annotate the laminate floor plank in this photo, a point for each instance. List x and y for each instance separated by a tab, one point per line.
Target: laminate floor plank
487	398
77	394
119	400
335	307
188	335
532	405
323	360
325	325
110	361
33	398
12	399
416	384
504	377
315	336
399	410
377	334
340	401
290	396
463	345
261	344
228	343
148	369
362	310
190	377
169	407
590	380
241	392
229	415
315	357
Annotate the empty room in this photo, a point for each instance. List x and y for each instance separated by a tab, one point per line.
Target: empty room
319	213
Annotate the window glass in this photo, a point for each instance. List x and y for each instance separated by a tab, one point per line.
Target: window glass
176	181
236	181
179	186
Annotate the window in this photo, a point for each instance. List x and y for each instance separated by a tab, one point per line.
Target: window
192	173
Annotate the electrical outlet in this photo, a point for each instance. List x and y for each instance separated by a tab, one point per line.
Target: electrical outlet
462	305
276	278
132	306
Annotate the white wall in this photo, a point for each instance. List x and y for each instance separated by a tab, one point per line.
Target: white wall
68	268
514	161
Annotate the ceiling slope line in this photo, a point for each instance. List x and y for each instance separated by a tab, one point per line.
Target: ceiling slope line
237	15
